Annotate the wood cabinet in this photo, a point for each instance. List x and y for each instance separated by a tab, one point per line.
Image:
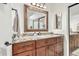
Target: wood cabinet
50	50
41	51
40	43
24	48
78	41
45	47
54	46
59	47
42	47
73	43
29	53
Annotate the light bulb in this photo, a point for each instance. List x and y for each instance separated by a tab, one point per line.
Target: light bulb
41	5
33	3
44	7
37	4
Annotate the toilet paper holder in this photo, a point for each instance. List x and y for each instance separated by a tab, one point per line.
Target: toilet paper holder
7	43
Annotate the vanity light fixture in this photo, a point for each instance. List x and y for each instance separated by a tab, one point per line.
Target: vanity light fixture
40	5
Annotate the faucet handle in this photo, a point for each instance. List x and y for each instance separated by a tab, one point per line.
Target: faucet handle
14	35
38	33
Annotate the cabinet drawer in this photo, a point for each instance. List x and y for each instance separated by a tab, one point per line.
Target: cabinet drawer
40	43
24	46
51	41
28	53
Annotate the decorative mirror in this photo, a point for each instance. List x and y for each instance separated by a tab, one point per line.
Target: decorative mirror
35	19
58	21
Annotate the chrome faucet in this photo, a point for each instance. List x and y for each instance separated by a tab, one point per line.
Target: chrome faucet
36	33
13	37
39	33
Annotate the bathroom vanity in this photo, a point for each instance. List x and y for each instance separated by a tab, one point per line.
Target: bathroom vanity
36	20
74	42
51	46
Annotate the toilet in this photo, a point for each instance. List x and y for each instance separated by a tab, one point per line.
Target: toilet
75	52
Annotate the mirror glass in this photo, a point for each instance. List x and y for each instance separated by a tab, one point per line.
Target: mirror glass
74	18
36	19
58	21
74	30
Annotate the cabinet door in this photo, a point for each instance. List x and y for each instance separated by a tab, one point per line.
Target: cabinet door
23	46
59	49
41	51
50	50
76	41
72	43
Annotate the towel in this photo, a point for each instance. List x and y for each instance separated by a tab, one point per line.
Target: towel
16	27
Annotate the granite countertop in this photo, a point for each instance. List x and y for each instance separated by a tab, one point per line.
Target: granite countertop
37	37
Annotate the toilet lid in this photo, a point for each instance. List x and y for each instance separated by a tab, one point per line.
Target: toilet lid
76	52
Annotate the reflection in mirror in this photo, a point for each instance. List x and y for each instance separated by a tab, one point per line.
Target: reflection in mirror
35	19
42	23
74	30
74	18
58	21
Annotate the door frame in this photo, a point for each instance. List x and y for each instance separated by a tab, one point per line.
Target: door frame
69	20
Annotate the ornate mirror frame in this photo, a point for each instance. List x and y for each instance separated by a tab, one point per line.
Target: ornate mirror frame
26	19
